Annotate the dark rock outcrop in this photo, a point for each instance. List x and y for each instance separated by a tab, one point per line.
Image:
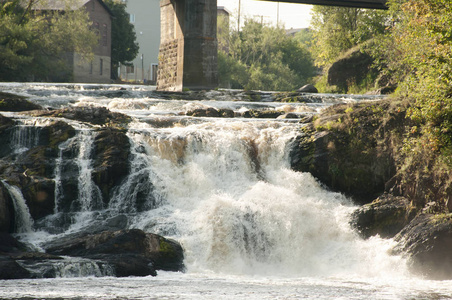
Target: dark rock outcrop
353	68
89	114
11	102
345	148
386	216
10	269
308	88
427	241
262	114
6	213
144	250
111	160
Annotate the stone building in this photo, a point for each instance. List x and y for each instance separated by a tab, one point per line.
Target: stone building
98	69
145	16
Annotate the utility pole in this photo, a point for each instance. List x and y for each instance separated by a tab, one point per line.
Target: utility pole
142	67
277	16
238	22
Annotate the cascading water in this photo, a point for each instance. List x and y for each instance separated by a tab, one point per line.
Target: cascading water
24	221
249	225
231	199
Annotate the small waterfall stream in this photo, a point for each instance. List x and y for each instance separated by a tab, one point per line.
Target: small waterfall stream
24	221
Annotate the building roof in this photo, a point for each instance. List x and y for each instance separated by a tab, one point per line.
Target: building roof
222	8
65	5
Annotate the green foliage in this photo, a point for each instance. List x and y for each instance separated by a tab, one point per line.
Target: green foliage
124	47
419	56
262	57
337	29
33	44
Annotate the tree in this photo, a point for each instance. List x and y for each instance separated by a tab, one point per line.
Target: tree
124	47
262	57
337	29
33	44
418	51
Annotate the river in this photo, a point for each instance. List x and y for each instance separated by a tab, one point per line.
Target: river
251	228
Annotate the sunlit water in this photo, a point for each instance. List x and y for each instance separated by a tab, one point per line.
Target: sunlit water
251	228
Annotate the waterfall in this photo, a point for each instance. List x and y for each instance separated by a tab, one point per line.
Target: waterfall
89	195
24	137
228	195
223	188
24	221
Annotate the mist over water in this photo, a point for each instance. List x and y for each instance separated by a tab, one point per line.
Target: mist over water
249	225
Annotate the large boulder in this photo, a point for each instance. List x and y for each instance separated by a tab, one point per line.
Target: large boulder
124	247
11	102
308	88
111	160
386	216
427	241
352	68
348	148
10	269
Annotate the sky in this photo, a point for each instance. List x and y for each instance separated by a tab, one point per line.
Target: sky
291	15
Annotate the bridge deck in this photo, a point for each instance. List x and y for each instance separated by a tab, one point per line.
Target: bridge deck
377	4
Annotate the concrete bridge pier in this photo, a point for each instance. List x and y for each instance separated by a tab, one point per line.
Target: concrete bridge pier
188	47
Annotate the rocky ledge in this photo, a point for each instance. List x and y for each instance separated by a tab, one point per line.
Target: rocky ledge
358	149
117	253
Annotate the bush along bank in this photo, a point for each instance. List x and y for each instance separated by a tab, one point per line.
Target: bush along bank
374	153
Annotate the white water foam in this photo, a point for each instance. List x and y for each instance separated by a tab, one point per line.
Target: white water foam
236	207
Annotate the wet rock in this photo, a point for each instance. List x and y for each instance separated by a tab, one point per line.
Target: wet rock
386	216
6	126
9	244
427	241
308	88
288	116
111	160
6	213
90	114
226	113
158	252
11	102
344	149
204	112
262	114
10	269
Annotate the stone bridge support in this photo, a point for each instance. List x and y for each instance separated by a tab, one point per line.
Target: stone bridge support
188	46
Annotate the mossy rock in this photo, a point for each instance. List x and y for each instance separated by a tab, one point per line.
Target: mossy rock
351	148
11	102
386	216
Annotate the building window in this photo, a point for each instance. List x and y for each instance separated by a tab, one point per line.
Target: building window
130	69
101	66
96	27
104	35
132	18
91	68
